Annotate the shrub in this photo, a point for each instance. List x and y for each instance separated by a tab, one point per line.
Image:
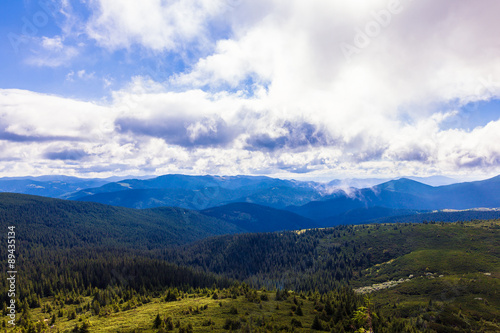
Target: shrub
296	323
231	324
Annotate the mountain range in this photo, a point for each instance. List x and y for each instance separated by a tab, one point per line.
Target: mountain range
200	192
260	204
405	194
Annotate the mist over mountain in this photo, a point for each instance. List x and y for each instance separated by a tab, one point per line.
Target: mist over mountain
406	194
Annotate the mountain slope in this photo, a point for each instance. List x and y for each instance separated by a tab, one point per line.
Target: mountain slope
200	192
175	181
64	223
366	215
443	216
257	218
175	197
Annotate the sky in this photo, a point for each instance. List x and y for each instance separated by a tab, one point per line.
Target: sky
316	89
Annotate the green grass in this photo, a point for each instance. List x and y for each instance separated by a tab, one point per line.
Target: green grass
275	313
456	276
439	262
472	298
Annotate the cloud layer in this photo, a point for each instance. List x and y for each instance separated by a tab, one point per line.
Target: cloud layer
273	87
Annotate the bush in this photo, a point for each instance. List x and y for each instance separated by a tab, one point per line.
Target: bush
296	323
186	329
231	324
169	324
207	322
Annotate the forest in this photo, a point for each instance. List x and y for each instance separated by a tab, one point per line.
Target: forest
79	272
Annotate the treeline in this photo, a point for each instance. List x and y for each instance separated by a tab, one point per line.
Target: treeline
79	272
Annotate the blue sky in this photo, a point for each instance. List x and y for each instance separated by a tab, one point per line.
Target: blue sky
20	49
320	89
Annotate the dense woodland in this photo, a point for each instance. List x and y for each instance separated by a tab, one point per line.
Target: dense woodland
325	259
85	273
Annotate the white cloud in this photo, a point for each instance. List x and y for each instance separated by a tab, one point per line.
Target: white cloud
84	138
281	96
82	75
154	24
51	52
52	43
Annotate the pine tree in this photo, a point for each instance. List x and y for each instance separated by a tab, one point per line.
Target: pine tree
316	325
157	321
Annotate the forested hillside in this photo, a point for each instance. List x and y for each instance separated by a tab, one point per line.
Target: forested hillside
89	267
61	223
257	218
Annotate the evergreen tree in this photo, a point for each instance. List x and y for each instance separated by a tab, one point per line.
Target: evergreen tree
316	325
157	322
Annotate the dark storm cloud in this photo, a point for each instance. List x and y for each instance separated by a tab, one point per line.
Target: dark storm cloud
66	155
187	133
300	135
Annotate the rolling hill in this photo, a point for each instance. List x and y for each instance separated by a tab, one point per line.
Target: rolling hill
67	223
442	216
63	223
118	268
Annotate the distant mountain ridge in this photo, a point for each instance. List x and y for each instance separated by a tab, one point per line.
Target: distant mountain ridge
256	218
68	187
406	194
326	204
201	192
48	186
